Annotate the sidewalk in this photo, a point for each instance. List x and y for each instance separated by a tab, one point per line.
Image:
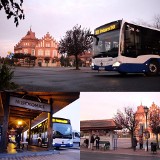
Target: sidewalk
124	151
11	152
32	151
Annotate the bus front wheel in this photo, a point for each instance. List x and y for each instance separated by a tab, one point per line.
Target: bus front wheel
153	68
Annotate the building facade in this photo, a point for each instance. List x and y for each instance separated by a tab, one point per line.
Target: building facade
45	49
144	119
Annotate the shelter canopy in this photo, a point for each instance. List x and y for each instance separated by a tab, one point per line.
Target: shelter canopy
106	124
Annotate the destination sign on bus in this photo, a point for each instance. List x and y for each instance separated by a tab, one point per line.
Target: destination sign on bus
59	120
107	28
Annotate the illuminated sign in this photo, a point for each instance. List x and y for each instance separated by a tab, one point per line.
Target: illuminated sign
59	120
25	103
107	28
40	125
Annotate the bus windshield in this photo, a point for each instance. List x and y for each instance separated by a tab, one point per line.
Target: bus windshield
108	44
61	130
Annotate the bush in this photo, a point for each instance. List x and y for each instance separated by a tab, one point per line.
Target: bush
5	78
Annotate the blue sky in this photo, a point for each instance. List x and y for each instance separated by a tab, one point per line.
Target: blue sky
56	17
104	105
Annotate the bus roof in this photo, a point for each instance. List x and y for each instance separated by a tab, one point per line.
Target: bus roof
141	25
125	21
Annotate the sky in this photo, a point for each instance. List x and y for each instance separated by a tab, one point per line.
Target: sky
57	17
104	105
72	112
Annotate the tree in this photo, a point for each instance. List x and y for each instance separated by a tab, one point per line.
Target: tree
156	22
33	58
18	56
127	120
154	122
75	42
13	9
47	59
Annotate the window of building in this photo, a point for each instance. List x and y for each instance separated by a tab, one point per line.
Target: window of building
54	53
47	44
25	50
47	53
33	52
40	52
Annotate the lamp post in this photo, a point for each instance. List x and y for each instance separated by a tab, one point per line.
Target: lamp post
146	109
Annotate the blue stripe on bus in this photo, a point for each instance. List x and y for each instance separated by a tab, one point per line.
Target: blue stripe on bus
63	145
127	67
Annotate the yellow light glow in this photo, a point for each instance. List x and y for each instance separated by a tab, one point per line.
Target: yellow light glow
19	122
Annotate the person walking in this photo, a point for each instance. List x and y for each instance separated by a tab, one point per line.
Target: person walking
97	141
92	141
140	142
134	142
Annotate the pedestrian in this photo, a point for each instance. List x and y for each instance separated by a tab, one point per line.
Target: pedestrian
18	141
134	142
92	141
97	138
140	142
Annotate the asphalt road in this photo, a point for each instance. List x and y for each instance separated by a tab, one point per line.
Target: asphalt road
68	79
109	156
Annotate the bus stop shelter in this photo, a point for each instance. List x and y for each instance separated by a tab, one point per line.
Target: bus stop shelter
96	126
31	108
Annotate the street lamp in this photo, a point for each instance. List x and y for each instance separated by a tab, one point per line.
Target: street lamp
146	109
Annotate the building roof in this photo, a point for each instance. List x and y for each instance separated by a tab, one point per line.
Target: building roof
30	35
106	124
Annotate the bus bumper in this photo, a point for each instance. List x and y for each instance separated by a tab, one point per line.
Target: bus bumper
62	145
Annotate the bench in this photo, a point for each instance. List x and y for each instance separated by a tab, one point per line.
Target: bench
24	144
104	145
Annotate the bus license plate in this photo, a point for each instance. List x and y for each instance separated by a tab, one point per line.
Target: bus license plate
63	145
101	68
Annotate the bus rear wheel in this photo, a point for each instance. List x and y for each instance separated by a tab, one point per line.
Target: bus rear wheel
153	68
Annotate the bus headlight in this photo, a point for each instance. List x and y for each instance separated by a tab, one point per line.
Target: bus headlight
92	64
116	64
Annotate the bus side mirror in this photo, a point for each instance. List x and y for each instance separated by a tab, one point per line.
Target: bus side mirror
95	36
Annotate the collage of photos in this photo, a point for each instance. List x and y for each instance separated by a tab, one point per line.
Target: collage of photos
79	80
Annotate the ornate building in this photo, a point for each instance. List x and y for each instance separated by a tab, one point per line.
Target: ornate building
45	49
141	117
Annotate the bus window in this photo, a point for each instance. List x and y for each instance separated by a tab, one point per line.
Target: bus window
132	41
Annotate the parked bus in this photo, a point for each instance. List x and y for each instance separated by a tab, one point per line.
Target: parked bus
62	133
126	48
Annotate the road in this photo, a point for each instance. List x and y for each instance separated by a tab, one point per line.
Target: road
68	79
110	156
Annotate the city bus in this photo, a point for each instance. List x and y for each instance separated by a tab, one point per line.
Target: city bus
126	48
62	133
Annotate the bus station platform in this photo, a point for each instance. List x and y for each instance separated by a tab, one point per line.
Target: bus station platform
13	152
30	151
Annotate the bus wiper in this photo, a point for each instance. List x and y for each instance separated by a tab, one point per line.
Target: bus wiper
95	36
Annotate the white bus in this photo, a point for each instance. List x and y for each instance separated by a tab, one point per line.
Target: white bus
62	133
126	48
